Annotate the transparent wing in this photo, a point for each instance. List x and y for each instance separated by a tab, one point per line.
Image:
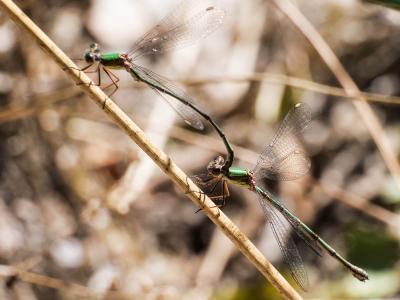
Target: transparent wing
190	21
296	226
285	158
174	96
288	248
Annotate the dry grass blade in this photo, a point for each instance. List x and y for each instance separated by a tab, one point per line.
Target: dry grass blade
17	113
368	116
363	205
160	158
300	84
41	280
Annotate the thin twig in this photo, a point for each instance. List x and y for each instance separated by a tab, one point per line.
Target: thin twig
16	113
54	283
368	116
297	83
361	204
70	288
41	101
160	158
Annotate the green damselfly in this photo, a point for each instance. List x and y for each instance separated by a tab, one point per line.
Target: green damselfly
283	159
190	21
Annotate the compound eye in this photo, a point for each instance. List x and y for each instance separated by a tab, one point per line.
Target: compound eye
220	160
89	57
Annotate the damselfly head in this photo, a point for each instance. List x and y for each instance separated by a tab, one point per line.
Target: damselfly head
215	167
92	54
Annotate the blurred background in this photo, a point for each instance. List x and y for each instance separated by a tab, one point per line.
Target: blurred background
82	206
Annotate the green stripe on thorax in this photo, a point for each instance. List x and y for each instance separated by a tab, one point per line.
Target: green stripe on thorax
112	60
239	176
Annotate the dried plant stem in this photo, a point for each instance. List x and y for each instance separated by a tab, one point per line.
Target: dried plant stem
298	83
16	113
336	67
379	213
41	102
160	158
54	283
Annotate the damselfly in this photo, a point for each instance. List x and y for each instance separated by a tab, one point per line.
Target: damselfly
283	159
188	22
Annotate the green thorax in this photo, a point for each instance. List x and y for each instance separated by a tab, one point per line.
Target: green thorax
239	176
112	60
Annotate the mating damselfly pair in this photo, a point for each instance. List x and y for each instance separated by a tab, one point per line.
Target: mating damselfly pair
284	158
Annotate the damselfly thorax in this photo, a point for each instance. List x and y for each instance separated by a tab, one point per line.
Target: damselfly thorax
234	175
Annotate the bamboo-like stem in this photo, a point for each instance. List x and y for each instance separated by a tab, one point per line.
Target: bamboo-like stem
159	157
364	109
